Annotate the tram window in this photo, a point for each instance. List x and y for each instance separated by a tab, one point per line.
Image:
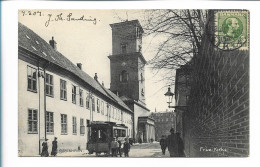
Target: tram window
115	133
123	133
99	136
119	132
103	135
94	135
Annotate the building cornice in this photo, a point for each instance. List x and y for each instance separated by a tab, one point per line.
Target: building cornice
128	55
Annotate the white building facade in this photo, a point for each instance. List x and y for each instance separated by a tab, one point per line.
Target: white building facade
57	99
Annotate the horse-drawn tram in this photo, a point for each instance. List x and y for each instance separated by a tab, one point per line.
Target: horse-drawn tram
102	134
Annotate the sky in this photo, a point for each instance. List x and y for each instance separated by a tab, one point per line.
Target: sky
90	42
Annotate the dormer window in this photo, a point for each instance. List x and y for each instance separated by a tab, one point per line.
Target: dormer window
123	48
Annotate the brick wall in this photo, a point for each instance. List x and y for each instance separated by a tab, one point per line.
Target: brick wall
217	120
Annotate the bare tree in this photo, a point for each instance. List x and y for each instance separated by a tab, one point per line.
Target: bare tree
180	33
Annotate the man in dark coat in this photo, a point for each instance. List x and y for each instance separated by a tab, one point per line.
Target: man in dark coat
119	147
45	152
180	145
163	144
172	144
126	148
54	147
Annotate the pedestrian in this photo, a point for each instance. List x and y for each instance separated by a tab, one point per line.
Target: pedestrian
114	146
180	145
140	141
126	148
163	144
54	147
172	144
45	152
119	147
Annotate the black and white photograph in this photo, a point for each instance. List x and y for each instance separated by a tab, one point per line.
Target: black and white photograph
151	83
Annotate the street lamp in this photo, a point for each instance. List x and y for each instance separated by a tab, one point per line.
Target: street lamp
169	95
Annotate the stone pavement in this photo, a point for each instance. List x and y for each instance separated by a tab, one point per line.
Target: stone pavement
144	150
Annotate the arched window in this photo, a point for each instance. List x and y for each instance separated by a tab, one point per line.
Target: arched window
142	78
142	92
123	76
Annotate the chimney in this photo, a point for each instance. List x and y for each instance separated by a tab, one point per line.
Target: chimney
117	93
96	77
79	65
53	43
103	83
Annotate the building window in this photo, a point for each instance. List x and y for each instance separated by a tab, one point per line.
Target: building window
64	124
137	32
49	122
108	110
49	85
93	103
123	76
123	48
73	94
98	106
142	92
113	112
87	101
142	78
32	121
31	79
81	97
139	48
102	107
74	125
187	99
82	127
63	90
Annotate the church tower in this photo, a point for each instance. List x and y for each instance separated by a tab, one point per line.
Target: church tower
127	62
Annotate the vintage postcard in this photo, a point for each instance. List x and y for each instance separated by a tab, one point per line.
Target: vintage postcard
155	83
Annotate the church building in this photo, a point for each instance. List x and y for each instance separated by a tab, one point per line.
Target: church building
128	75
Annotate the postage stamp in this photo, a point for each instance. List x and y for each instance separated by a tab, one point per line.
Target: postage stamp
231	30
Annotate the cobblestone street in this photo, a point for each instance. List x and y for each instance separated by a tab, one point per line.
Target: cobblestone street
148	150
145	150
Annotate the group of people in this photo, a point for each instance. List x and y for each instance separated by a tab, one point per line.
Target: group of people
45	152
116	147
174	143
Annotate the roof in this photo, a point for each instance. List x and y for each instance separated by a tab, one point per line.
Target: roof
100	124
133	22
30	41
146	114
118	99
130	100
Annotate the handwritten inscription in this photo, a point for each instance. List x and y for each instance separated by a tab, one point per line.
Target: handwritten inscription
61	17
